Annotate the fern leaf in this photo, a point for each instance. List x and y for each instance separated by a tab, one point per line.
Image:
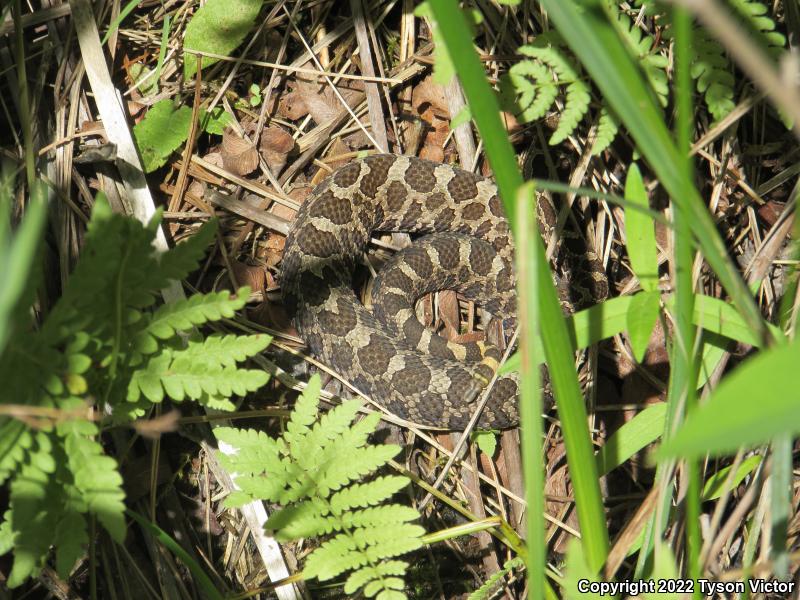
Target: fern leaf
359	462
309	450
334	557
385	584
32	519
305	412
492	585
714	79
575	109
71	538
15	440
607	128
178	262
96	476
391	595
364	575
763	27
367	494
533	83
377	516
199	371
255	451
224	350
643	47
389	541
307	519
185	314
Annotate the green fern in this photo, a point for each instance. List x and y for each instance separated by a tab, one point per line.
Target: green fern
650	59
537	83
314	471
102	343
532	85
607	128
491	586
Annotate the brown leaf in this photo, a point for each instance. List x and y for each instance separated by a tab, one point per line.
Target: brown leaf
239	156
250	275
275	147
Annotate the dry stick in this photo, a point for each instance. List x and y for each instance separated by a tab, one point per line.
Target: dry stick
376	118
180	186
751	58
475	500
465	143
293	69
471	425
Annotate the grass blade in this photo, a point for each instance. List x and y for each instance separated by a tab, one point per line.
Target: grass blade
556	340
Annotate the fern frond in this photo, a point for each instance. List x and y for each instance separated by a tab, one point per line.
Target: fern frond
534	84
389	541
304	413
643	47
34	492
367	494
315	457
364	575
15	441
350	467
255	451
388	587
96	476
304	520
199	371
310	449
755	15
576	107
185	314
333	558
712	71
184	258
492	585
566	72
607	128
377	516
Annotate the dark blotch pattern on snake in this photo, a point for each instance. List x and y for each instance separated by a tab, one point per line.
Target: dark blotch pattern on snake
398	363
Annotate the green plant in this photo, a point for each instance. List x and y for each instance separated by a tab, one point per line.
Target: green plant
104	350
322	473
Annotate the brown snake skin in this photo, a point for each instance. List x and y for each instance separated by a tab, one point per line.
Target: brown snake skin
398	363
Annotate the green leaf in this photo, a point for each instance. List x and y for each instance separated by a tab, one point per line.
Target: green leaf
640	232
715	485
641	319
463	116
486	440
732	419
218	27
215	121
164	128
17	255
645	428
576	570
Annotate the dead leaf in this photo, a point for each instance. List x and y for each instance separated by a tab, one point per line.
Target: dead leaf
239	156
275	146
250	275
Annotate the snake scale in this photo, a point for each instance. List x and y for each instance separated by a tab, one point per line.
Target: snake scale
387	354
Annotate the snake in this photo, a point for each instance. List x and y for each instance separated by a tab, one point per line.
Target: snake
464	244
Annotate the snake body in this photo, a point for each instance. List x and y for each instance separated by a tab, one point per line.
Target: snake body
396	361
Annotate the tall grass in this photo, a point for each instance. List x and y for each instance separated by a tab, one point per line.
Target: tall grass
690	432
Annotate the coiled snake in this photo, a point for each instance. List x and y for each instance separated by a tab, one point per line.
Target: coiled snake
397	362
